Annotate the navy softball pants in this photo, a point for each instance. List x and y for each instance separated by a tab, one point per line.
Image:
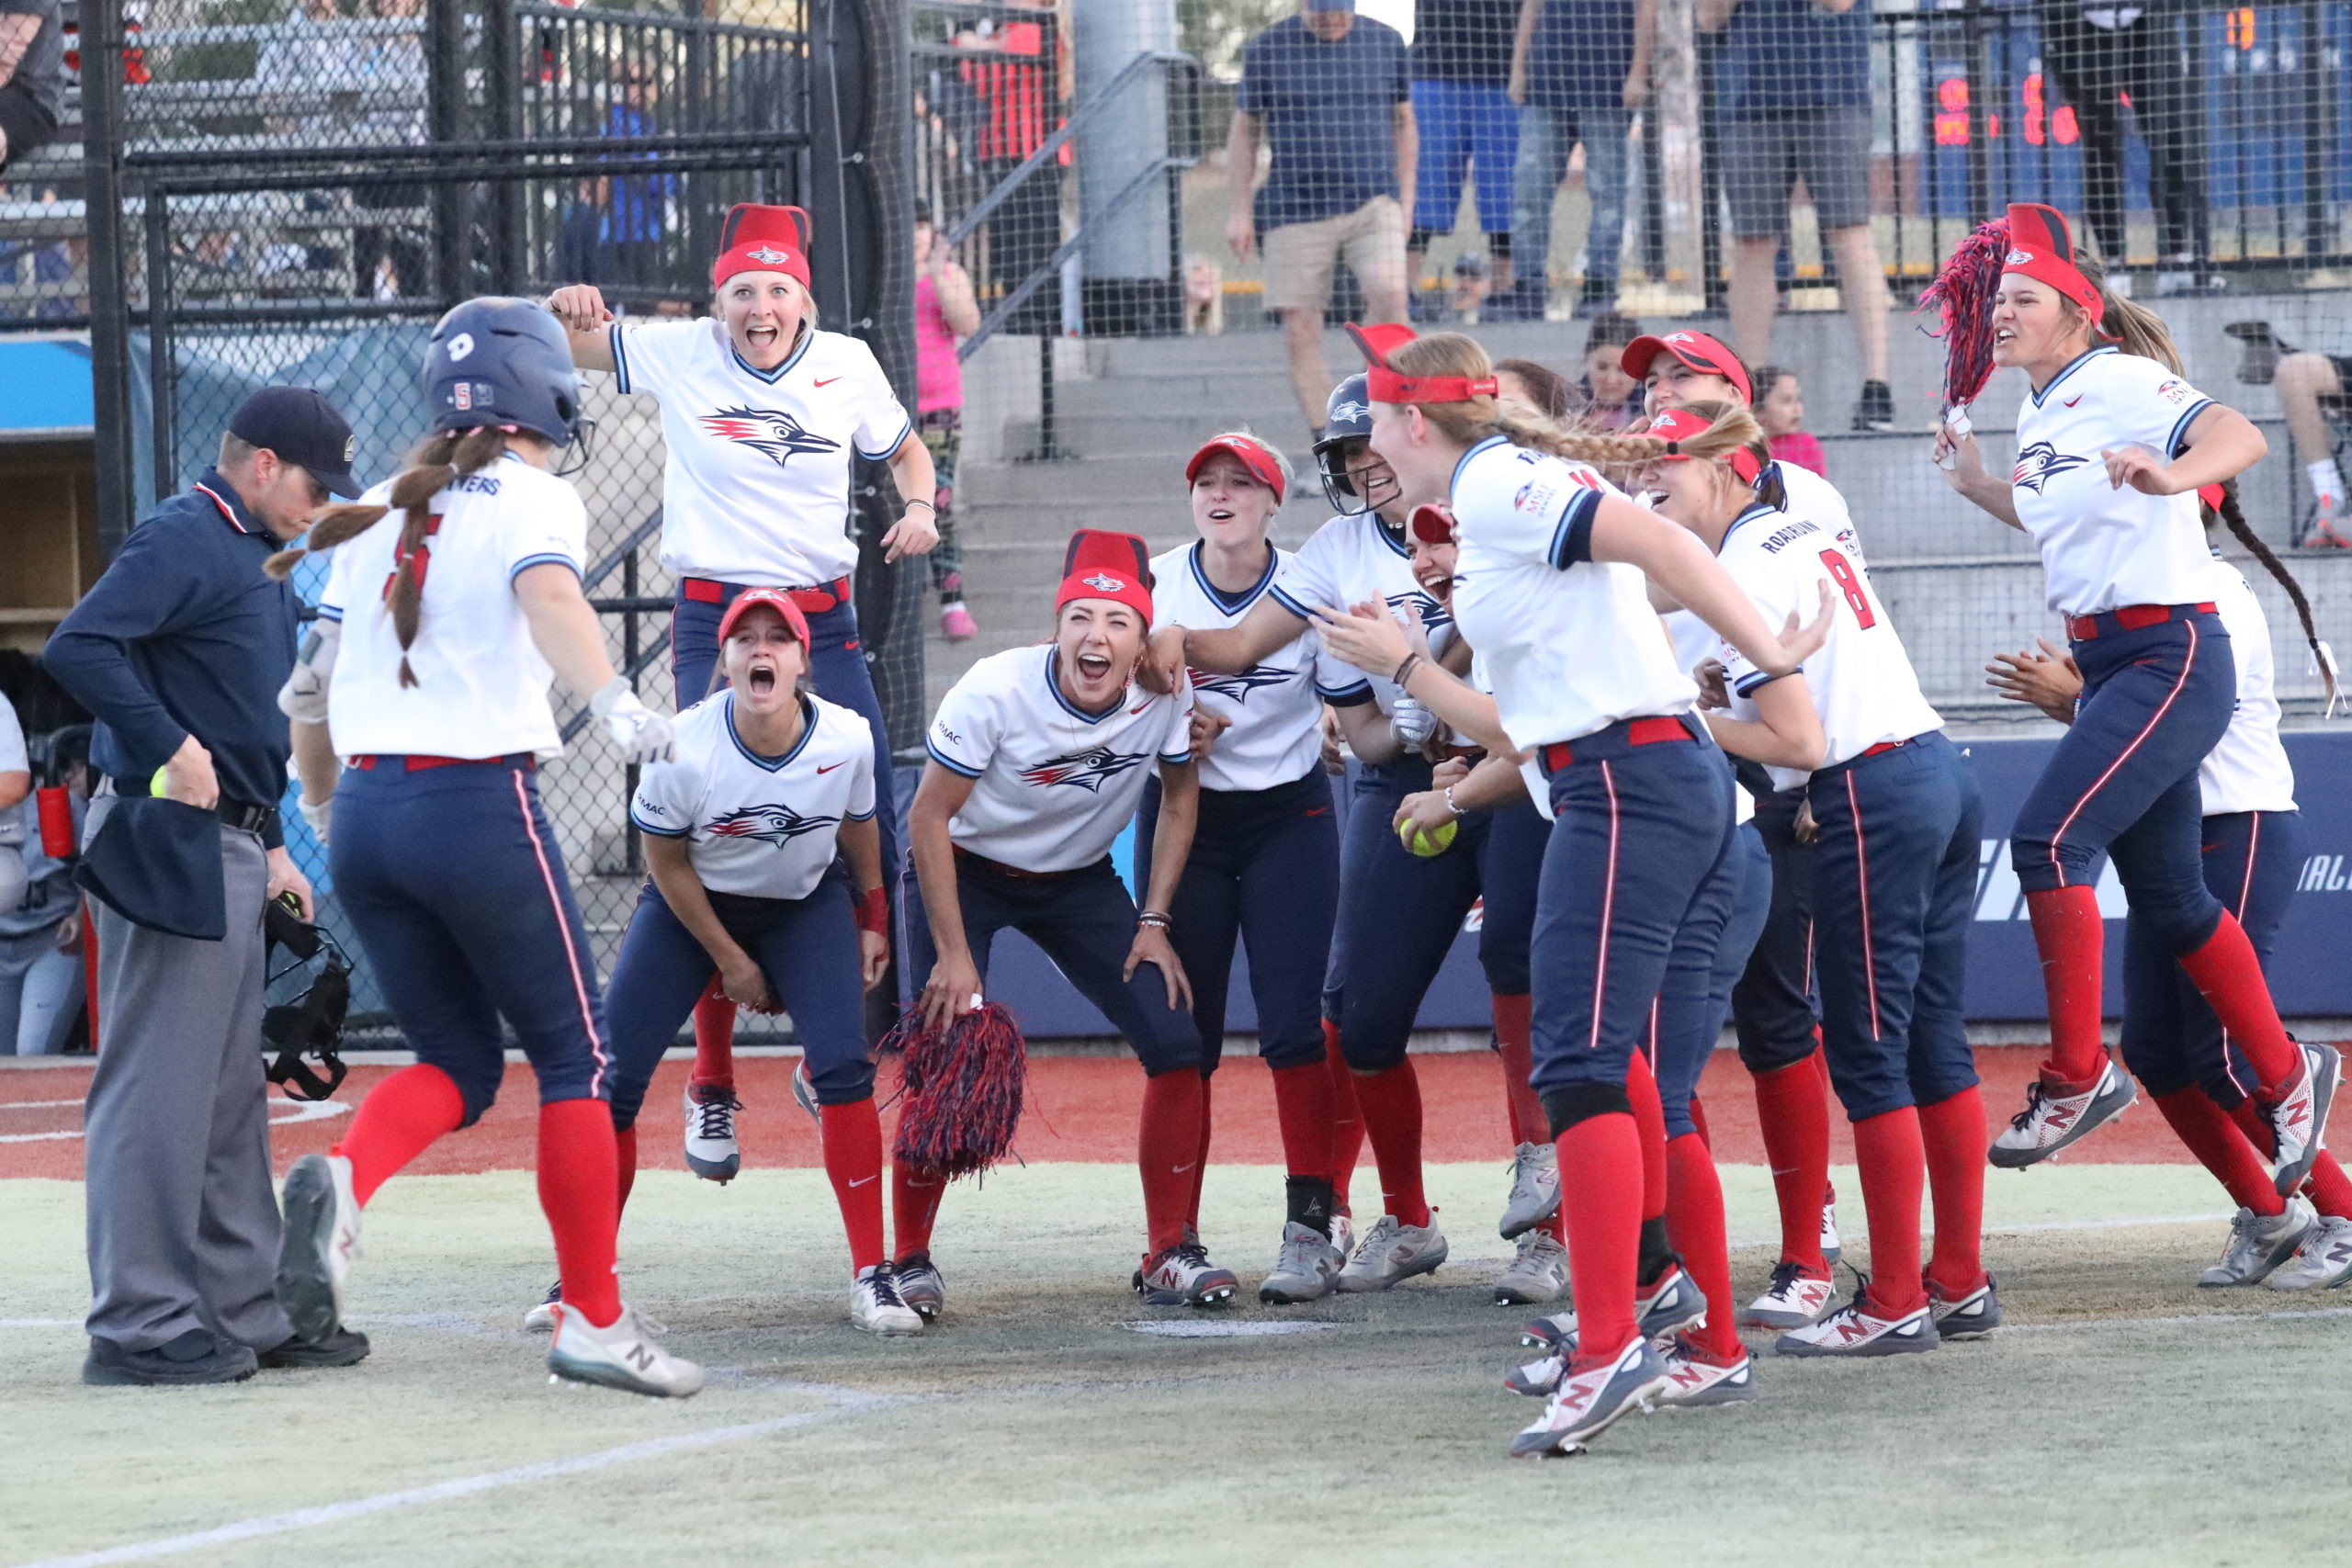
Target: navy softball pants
1638	833
1894	885
1264	869
2171	1038
1709	951
1085	920
2123	779
455	884
1771	1003
806	948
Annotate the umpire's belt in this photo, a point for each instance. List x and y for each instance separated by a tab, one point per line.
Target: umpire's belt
809	600
2129	618
1616	739
242	815
417	763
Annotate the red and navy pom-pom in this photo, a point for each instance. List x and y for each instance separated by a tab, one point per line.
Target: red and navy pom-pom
959	1091
1963	293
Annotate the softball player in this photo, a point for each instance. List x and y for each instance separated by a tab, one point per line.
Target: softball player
454	595
2112	446
761	416
1038	760
1895	869
1551	592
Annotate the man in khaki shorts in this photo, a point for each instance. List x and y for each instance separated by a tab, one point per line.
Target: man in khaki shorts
1328	92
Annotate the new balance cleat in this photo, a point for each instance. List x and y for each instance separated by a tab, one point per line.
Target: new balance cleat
1534	1190
320	1239
2260	1243
711	1153
2051	1122
1667	1306
1588	1404
1854	1330
1390	1253
876	1307
540	1319
1692	1380
804	1093
1305	1269
1793	1300
1539	1378
916	1279
1830	1250
2325	1261
1539	1274
621	1355
1184	1276
1343	1230
2298	1121
1972	1317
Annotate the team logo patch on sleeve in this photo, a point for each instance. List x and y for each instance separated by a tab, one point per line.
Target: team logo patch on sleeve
777	824
1089	770
1239	687
2041	462
769	431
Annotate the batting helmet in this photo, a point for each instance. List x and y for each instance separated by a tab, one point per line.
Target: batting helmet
503	361
1347	417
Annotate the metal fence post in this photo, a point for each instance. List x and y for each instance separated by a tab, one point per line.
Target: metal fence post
444	66
109	296
502	60
162	393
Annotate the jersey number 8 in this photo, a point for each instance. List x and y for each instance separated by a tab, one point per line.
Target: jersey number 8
1841	571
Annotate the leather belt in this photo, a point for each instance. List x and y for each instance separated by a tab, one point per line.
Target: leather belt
242	816
416	762
1638	732
813	601
2129	618
982	863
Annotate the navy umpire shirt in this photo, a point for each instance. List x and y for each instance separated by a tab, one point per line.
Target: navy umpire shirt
182	634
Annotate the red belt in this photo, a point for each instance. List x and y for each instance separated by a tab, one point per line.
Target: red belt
1881	746
2130	618
811	601
1638	732
414	764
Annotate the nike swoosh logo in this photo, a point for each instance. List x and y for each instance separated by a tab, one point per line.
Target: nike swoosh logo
861	1181
2070	401
1320	811
1133	711
1183	1168
830	766
826	382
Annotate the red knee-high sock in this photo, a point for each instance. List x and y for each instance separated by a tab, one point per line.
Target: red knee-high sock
1347	1116
1699	1120
714	1043
1894	1168
1601	1200
1793	1115
1514	1041
1829	1099
1167	1145
1391	1100
2327	1188
2232	1145
1694	1222
853	1139
579	1190
2229	976
1303	1108
1953	1133
914	1207
2068	935
398	1121
1649	1119
1201	1165
624	1166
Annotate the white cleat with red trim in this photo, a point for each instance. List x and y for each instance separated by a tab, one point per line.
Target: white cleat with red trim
1854	1330
1588	1404
2051	1122
320	1239
1795	1298
1693	1381
2298	1121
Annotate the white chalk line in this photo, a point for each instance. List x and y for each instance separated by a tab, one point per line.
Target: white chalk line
303	1110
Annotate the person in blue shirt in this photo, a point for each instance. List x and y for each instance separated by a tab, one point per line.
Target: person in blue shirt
635	208
1793	93
1579	70
1465	124
1328	92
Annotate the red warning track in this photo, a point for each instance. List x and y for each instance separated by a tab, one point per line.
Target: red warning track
1080	1109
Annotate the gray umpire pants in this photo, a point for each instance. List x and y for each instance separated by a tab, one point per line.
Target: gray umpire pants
183	1220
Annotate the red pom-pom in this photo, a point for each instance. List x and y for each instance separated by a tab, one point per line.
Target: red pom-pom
959	1091
1963	294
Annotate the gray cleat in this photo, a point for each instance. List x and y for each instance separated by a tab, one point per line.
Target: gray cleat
1539	1274
1390	1253
2051	1122
1534	1190
2323	1264
2260	1243
1972	1317
1305	1269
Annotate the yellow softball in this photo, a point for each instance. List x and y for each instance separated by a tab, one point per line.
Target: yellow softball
1426	844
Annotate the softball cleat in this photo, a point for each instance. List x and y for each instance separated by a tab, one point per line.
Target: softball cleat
1692	1380
875	1305
1793	1299
916	1279
711	1151
1534	1190
2325	1261
621	1355
1830	1249
540	1319
1305	1269
1972	1316
2299	1121
1854	1330
1539	1274
1667	1306
1588	1404
804	1093
2051	1122
1184	1276
1390	1253
2261	1244
320	1240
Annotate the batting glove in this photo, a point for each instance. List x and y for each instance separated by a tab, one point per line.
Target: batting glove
1411	724
318	813
642	734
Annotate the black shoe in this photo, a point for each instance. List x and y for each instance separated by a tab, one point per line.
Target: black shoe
1522	301
195	1356
1876	410
344	1347
1596	298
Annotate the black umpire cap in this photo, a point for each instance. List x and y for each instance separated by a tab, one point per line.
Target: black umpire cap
303	428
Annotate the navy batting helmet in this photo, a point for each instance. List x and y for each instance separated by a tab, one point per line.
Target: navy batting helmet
1346	418
503	361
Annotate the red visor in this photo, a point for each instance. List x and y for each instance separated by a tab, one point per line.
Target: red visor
1432	523
2042	248
1254	454
1386	386
1676	426
777	599
762	238
1100	565
1695	349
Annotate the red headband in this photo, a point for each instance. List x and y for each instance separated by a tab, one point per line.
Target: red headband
1386	386
1099	565
762	238
1253	453
2042	248
1432	523
777	599
1678	425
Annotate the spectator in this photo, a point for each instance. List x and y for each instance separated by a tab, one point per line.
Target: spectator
1534	389
1465	125
32	76
1327	92
1579	69
1021	92
2101	58
1779	408
310	52
945	310
2311	387
41	928
389	256
1203	295
1793	89
16	789
1469	287
1608	398
635	209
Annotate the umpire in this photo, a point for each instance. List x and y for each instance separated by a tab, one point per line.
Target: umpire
179	651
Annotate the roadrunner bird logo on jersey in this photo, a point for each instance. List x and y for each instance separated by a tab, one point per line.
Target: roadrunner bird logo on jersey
770	431
1239	687
2041	462
1433	613
778	825
1089	770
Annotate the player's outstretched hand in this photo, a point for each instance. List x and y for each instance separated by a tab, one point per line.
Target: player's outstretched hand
579	307
2048	680
1367	637
953	990
1151	946
2142	469
1161	668
914	534
1715	691
1206	728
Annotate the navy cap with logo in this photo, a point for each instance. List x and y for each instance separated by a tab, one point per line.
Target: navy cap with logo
303	429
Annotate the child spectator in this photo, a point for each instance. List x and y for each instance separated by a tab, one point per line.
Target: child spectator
1779	408
1536	388
1607	398
945	310
41	927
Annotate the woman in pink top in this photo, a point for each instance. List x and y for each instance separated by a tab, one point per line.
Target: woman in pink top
1779	408
944	312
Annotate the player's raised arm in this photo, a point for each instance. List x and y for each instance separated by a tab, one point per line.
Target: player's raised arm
587	323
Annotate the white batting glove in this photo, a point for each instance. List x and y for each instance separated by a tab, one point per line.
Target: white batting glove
319	814
642	734
1411	724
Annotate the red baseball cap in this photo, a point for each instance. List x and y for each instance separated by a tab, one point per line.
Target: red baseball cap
1695	349
2042	248
1254	454
1102	565
762	238
1432	523
777	599
1676	426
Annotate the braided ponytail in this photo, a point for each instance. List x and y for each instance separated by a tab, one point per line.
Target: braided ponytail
2234	519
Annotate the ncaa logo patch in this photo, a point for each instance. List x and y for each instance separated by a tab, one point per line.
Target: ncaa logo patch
460	346
1105	582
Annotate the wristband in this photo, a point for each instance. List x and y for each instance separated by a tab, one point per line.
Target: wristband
1154	918
874	911
1448	802
1405	670
935	510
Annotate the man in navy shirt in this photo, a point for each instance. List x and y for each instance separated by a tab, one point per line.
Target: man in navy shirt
1792	86
1328	92
179	651
1578	71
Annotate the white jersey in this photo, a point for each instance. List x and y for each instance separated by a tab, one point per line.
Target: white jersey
756	489
2248	770
1695	642
1571	643
1810	495
2102	547
1057	785
482	682
1348	561
1276	730
1860	680
755	825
